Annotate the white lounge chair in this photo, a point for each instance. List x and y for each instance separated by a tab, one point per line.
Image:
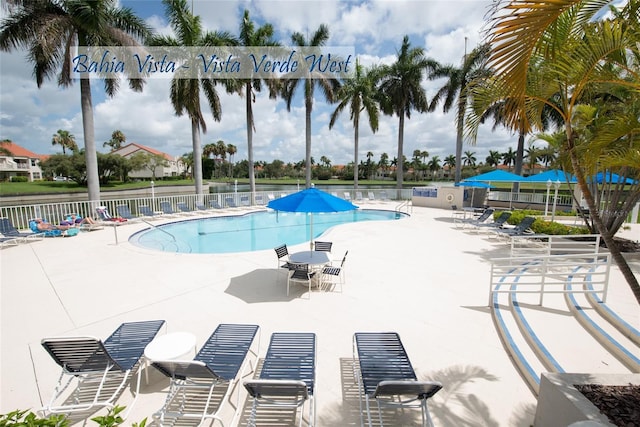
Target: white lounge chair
100	369
221	362
287	378
385	375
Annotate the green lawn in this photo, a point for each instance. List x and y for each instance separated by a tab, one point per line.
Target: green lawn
46	187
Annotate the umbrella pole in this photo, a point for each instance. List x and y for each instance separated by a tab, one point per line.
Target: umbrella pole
311	233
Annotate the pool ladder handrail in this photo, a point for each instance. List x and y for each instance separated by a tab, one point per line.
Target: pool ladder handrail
158	228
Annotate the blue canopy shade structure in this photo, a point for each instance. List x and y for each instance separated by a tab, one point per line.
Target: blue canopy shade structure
476	184
552	175
311	200
611	178
496	176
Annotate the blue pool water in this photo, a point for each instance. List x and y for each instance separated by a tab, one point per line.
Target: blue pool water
251	232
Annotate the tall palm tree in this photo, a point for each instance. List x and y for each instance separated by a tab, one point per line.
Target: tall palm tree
50	30
401	91
185	92
434	165
593	53
117	139
457	90
327	85
509	158
469	159
450	162
65	139
231	150
252	36
359	93
493	158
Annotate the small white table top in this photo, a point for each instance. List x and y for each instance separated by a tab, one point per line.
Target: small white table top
310	257
170	346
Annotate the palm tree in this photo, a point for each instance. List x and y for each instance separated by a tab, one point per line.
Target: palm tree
450	162
359	93
469	159
458	88
65	139
252	36
493	158
593	53
384	163
117	139
434	165
185	92
51	30
509	158
231	150
328	86
532	155
401	91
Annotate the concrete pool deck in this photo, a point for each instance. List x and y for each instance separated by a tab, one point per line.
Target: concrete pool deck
419	277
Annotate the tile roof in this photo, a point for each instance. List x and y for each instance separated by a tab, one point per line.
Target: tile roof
144	148
18	151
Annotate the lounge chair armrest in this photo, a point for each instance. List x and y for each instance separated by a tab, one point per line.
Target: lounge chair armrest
276	388
422	389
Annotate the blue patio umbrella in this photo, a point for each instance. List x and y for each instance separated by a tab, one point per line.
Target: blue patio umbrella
311	200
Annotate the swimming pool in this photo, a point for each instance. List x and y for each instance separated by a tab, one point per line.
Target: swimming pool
250	232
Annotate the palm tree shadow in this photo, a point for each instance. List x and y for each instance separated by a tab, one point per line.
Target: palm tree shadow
450	407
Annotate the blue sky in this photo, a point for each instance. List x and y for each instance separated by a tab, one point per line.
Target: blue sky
30	116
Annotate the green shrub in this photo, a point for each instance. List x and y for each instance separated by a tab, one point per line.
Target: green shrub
541	226
19	179
29	419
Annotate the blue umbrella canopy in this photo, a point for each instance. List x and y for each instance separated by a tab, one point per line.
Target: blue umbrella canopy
311	200
496	176
551	175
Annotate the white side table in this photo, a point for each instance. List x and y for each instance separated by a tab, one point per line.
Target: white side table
171	346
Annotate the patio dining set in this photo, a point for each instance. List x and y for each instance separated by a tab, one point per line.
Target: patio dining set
313	268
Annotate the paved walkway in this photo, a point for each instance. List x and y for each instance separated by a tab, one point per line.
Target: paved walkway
420	277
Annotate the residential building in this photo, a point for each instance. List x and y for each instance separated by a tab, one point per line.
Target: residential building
173	167
20	162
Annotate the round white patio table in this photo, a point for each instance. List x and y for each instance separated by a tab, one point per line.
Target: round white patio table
313	258
171	346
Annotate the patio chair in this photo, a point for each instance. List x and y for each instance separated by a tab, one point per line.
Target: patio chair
333	275
9	231
124	212
230	202
259	200
214	204
300	273
101	369
322	246
222	361
523	227
183	208
498	223
359	196
166	208
371	196
8	241
244	201
287	378
200	206
384	373
462	222
145	210
347	196
282	252
383	195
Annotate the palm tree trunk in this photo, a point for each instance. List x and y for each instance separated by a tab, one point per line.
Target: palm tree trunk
519	157
197	156
307	136
400	164
355	152
459	134
91	158
249	110
617	256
